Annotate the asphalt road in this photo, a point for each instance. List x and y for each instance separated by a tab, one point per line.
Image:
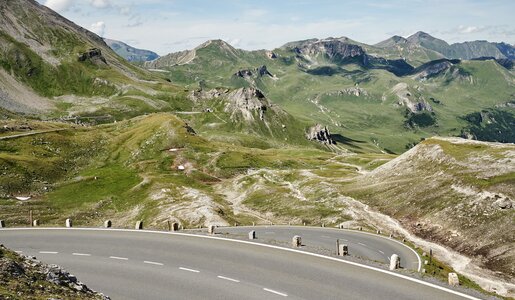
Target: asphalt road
361	244
152	265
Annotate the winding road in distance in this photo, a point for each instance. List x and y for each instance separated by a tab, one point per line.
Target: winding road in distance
130	264
361	244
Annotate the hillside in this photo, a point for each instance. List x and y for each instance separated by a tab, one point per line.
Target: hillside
130	53
50	66
460	195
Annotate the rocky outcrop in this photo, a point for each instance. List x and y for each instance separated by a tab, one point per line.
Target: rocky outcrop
247	101
93	55
270	55
19	273
321	134
257	72
434	68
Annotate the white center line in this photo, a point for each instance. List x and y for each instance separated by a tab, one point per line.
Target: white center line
81	254
189	270
362	244
48	252
152	263
119	258
381	251
227	278
325	236
275	292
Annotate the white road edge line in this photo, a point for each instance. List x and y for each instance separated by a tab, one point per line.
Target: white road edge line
227	278
18	251
118	258
48	252
275	292
81	254
189	270
153	263
419	281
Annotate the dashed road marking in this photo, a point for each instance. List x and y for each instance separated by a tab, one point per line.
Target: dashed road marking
325	236
275	292
269	232
189	270
380	251
152	263
118	258
48	252
362	244
227	278
18	251
81	254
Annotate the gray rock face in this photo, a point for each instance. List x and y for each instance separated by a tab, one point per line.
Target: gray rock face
320	134
335	49
503	202
93	55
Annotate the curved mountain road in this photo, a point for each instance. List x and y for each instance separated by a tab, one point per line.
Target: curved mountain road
130	264
361	244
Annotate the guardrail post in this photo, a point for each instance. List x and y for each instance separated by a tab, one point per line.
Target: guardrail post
252	235
453	279
108	224
175	226
211	229
139	225
69	223
344	250
296	241
395	262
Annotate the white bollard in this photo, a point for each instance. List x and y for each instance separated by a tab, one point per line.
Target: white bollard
453	279
344	250
69	223
395	262
2	224
108	224
211	229
252	235
139	225
296	241
35	223
378	231
175	226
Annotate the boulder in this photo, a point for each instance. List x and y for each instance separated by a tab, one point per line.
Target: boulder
321	134
93	55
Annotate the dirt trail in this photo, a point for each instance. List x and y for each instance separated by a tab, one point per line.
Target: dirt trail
30	133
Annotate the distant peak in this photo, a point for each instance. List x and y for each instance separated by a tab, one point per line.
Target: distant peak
420	34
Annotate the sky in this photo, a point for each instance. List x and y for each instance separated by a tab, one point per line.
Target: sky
166	26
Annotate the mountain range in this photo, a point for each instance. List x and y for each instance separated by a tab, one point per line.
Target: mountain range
130	53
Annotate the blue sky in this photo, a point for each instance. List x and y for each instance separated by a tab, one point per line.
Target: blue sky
171	25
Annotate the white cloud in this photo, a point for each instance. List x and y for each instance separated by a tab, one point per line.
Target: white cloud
59	5
100	3
468	29
99	28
